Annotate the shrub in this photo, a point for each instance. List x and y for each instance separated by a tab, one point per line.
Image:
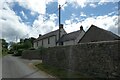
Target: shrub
10	52
19	52
32	48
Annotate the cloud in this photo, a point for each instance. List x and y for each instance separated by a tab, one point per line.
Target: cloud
34	5
82	14
84	3
114	30
32	13
13	28
106	22
93	5
38	6
23	14
45	26
101	2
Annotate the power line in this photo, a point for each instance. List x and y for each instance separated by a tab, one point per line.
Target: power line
53	12
48	16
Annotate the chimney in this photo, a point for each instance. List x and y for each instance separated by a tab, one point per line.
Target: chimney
61	26
40	35
81	27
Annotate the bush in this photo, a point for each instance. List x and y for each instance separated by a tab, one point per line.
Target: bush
10	52
32	48
18	53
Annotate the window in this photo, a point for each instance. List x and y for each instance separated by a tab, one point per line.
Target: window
61	43
42	42
48	40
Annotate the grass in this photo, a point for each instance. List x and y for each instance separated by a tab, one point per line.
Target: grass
59	73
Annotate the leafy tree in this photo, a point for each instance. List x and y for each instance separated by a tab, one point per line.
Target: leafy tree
32	40
21	41
27	44
4	44
23	44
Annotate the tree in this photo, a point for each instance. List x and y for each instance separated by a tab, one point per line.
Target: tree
23	44
21	41
32	40
4	44
27	44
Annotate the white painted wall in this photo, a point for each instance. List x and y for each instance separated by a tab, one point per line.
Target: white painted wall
45	42
35	45
62	32
39	43
74	42
79	37
52	40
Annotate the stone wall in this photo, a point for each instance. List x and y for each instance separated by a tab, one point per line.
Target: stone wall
100	59
31	54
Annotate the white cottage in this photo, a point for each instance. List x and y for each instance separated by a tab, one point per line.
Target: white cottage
72	38
52	39
49	39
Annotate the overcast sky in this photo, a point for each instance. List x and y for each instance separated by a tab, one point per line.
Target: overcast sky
29	18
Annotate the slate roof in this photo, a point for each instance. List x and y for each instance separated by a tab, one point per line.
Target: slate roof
53	33
70	36
98	34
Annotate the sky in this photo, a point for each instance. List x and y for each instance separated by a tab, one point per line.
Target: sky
29	18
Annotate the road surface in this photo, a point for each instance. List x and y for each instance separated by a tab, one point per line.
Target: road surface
15	67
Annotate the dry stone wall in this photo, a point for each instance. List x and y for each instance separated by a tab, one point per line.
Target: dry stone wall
98	59
31	54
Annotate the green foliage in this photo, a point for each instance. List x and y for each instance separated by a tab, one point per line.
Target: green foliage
14	47
32	40
19	52
4	51
32	48
24	44
10	51
27	44
59	73
4	44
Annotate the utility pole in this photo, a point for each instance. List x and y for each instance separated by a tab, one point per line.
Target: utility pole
59	21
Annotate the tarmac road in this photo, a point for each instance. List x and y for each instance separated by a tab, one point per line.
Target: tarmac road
15	67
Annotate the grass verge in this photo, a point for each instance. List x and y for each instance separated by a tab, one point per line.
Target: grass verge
59	73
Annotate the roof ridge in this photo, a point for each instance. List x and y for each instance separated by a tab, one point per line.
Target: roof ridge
50	32
105	30
73	32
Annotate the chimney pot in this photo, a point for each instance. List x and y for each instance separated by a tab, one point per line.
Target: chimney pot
81	27
61	25
40	35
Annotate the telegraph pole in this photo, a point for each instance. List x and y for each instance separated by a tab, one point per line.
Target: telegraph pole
59	21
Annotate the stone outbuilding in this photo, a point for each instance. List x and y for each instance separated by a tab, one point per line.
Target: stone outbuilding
95	34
